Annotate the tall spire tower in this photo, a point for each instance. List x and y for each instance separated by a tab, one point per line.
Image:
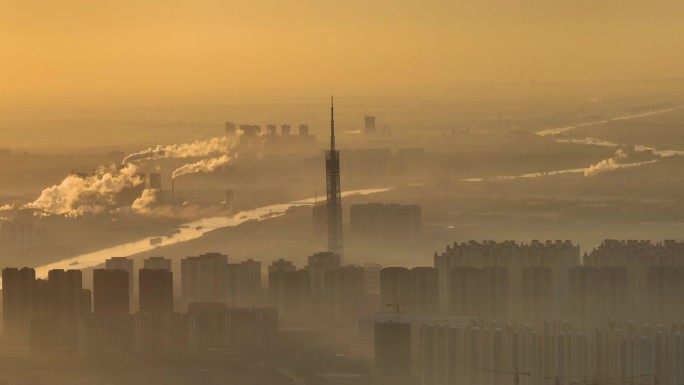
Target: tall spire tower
334	197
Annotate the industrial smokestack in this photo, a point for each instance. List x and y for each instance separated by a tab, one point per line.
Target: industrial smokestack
173	192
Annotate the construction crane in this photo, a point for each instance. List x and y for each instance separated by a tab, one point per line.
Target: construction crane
607	380
517	373
397	307
655	379
557	378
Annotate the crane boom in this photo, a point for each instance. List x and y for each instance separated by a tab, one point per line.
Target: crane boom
516	373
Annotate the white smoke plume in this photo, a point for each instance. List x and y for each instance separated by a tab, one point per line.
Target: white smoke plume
7	207
4	210
606	165
204	165
76	195
199	148
146	201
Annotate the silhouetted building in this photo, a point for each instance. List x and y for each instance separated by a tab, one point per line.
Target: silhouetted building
423	288
56	310
230	128
386	222
666	293
155	181
558	255
214	328
244	284
598	295
303	130
156	291
317	266
637	257
393	350
285	130
157	263
249	130
371	278
395	287
249	288
369	125
65	293
111	334
159	334
344	293
203	278
110	292
278	276
537	293
126	264
481	293
485	354
42	302
17	301
252	330
415	290
289	290
207	327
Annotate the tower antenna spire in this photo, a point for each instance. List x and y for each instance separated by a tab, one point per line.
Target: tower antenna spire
333	194
332	124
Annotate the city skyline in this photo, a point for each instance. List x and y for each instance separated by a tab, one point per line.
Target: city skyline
342	193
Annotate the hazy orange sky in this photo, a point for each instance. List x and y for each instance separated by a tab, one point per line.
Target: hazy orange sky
77	49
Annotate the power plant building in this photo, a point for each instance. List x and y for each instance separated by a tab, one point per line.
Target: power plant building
369	126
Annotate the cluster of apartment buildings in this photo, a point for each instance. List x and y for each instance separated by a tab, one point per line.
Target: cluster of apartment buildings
376	223
484	313
220	310
491	312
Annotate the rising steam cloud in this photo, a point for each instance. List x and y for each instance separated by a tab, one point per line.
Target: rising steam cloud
97	193
199	148
204	165
606	165
76	195
146	201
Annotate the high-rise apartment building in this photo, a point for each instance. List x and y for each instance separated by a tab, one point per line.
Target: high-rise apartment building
203	278
110	292
155	291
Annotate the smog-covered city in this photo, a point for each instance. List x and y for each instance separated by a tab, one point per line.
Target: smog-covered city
342	193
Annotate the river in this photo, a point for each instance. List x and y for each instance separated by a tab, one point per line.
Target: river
186	232
562	130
